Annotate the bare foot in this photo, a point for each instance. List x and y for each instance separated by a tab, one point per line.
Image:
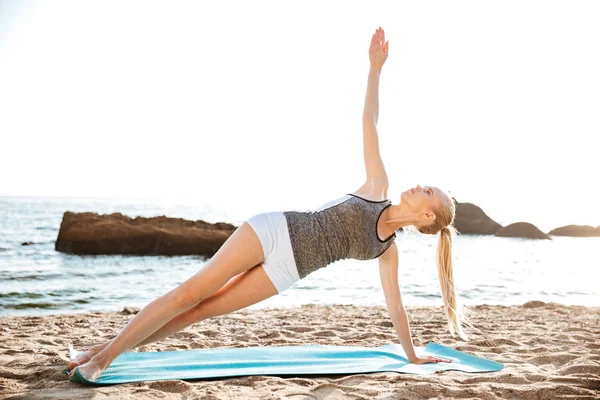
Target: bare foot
84	357
91	369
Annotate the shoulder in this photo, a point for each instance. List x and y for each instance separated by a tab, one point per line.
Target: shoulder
391	251
390	256
372	189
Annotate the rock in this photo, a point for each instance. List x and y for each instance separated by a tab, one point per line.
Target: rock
533	304
522	230
576	230
91	233
471	219
27	243
130	310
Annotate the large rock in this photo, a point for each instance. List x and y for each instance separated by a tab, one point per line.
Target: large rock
576	230
471	219
522	230
91	233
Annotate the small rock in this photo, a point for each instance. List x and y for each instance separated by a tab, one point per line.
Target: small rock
576	231
522	230
533	304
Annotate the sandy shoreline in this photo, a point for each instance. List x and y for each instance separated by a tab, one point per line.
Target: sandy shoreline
549	351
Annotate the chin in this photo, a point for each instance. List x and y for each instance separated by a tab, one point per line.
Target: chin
405	198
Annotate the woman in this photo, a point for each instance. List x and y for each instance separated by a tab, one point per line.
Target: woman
271	251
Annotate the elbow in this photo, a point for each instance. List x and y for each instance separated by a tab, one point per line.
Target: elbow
369	117
396	310
401	311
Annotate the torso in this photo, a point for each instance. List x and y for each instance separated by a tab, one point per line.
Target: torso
340	229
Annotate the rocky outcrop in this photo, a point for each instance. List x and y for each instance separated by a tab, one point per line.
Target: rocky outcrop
522	230
471	219
576	230
91	233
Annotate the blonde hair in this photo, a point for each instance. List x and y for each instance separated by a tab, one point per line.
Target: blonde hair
456	312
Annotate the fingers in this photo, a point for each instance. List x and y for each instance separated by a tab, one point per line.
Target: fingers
441	360
378	38
431	359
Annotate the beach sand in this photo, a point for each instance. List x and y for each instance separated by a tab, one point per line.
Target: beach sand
550	351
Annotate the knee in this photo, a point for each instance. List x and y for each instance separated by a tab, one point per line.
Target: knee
196	313
213	287
189	317
184	300
208	308
187	296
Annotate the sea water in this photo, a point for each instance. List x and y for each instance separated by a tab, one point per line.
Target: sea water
38	280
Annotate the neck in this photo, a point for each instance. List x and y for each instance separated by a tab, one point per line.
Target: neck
395	217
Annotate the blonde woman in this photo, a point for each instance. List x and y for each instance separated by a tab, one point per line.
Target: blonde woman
271	251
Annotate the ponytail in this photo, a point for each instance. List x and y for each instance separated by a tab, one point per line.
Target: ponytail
456	313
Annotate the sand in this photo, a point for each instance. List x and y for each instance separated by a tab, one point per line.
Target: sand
550	351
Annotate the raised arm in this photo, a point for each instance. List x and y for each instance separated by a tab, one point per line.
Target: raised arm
388	272
378	52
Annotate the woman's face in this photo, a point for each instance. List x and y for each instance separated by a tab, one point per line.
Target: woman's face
422	200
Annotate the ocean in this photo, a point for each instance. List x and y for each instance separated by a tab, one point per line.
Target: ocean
37	280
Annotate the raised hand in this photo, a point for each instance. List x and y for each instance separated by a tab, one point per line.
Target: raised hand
378	51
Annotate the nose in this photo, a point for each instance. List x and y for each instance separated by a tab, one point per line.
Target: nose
418	188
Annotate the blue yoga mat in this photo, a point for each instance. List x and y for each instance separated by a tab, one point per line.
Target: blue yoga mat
278	361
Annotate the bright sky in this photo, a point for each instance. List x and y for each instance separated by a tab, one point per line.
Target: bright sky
258	104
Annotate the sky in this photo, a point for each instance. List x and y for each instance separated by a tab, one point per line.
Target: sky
257	105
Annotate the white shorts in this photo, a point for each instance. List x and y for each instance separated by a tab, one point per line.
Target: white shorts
279	263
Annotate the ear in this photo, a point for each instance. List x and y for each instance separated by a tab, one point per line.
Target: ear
429	216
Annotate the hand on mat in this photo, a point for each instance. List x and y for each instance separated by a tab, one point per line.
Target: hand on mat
428	359
378	51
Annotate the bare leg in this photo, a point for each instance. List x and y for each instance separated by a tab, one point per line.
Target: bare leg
245	289
240	252
242	291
